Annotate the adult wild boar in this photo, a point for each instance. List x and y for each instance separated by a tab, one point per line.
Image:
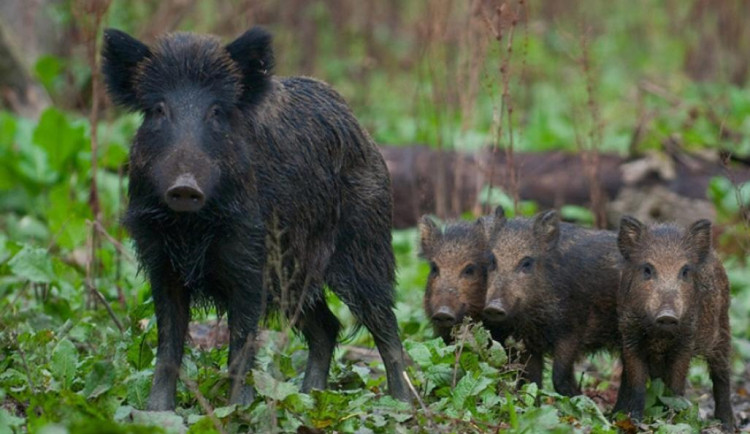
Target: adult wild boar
229	156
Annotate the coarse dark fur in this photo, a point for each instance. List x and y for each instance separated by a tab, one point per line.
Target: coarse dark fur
278	159
556	286
673	304
457	283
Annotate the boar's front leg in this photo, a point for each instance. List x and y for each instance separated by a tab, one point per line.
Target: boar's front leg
563	376
677	370
533	369
631	398
243	314
172	305
718	365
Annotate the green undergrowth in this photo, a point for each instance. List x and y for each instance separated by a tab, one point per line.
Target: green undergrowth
78	336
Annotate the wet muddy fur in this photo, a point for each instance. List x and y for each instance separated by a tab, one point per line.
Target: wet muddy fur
673	305
555	284
228	153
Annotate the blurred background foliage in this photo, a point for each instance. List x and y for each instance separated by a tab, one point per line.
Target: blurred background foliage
76	321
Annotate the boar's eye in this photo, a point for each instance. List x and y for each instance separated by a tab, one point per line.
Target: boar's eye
493	262
434	270
470	270
648	271
526	264
685	272
160	109
215	112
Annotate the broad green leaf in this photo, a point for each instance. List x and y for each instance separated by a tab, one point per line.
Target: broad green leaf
577	214
419	353
59	138
47	69
99	379
272	388
64	362
469	385
138	386
167	420
67	217
34	264
9	423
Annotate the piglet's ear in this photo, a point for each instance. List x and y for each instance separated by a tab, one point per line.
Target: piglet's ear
429	236
547	229
485	225
630	236
697	240
498	220
253	54
120	58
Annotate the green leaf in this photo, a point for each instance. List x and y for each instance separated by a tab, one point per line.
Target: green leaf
59	138
47	69
99	379
64	362
419	353
138	386
577	214
222	412
34	264
168	420
678	403
468	386
67	217
272	388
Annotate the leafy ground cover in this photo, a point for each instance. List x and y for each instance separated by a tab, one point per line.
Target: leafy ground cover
77	331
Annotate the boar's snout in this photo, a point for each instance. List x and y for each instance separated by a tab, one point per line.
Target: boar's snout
666	319
444	316
185	195
495	311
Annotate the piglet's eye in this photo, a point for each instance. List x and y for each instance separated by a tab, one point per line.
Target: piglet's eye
470	270
648	271
526	264
434	270
685	272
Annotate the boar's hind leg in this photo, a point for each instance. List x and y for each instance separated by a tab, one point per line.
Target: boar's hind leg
243	315
381	322
375	312
172	305
320	328
718	365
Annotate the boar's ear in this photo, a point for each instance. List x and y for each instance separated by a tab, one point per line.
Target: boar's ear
697	240
547	229
485	225
630	235
429	235
254	56
120	58
499	220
